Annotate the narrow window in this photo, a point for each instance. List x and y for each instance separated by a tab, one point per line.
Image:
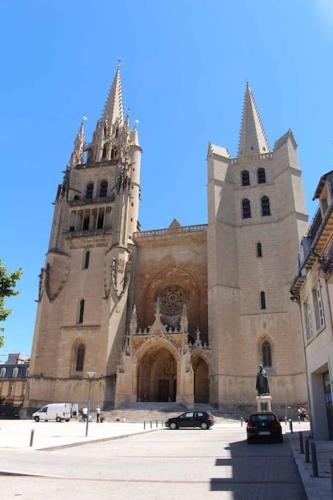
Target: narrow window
103	190
100	219
81	311
11	390
3	372
76	197
15	372
104	151
259	249
89	190
113	153
262	300
86	259
265	206
245	178
261	174
246	209
79	362
308	320
318	307
266	354
86	220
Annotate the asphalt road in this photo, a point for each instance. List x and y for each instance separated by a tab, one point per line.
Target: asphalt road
160	465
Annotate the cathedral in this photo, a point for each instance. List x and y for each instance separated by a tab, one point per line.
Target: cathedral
180	314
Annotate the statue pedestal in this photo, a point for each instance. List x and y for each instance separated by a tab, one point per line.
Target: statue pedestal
264	402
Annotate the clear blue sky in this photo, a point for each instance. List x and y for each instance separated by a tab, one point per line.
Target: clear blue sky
185	67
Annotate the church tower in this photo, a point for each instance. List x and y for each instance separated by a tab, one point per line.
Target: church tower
82	309
256	220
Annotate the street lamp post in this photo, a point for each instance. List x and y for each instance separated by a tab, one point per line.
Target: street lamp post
90	377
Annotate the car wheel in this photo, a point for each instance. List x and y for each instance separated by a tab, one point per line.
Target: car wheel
58	419
36	419
173	426
67	419
204	426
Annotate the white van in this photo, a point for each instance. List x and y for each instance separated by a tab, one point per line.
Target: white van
54	411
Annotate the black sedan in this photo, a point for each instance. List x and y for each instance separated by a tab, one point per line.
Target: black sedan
264	426
202	419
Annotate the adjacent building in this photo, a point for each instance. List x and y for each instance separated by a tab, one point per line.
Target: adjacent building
13	379
183	313
312	289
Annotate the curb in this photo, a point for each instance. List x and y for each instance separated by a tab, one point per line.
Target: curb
93	441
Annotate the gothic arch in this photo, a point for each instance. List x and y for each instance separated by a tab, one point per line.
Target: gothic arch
78	348
157	365
177	277
261	341
200	366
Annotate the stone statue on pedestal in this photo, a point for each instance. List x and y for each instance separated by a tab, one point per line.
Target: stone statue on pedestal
262	381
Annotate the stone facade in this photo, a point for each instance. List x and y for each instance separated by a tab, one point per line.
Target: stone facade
178	314
13	379
312	290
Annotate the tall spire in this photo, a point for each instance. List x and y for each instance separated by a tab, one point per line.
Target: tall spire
113	109
78	149
252	137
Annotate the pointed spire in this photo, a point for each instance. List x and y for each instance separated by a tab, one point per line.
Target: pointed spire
113	109
78	149
252	137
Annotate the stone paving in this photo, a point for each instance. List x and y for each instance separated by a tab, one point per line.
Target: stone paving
317	488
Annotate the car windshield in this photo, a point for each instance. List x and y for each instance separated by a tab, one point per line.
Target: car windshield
262	418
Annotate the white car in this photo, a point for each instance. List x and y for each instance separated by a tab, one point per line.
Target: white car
54	411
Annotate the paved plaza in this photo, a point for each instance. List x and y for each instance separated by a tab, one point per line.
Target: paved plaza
159	465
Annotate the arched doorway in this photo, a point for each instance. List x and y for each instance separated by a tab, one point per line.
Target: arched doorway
157	376
201	381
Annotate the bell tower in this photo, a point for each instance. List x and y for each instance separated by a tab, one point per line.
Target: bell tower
81	318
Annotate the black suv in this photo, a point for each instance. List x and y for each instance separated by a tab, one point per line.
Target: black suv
202	419
263	426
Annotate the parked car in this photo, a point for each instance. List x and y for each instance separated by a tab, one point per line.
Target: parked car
264	426
202	419
54	411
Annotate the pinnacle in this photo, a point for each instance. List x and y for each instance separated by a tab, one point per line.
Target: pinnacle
113	109
252	137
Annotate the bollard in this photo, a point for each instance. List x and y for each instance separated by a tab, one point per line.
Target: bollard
314	460
156	424
151	424
32	434
162	423
307	450
301	443
242	421
144	425
291	425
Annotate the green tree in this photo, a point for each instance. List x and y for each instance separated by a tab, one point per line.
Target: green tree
7	289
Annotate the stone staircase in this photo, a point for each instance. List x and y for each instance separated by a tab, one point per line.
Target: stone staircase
151	411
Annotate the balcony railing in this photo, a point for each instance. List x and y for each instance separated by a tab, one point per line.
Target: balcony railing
169	231
315	225
88	232
91	201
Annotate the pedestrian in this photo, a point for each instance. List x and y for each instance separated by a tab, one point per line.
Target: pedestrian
84	414
98	414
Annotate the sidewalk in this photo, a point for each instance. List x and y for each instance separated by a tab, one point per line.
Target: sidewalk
17	433
317	488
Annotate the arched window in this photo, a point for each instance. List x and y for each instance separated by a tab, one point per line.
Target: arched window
15	372
262	300
261	173
265	206
113	153
246	209
76	197
81	311
89	190
3	372
103	189
104	151
245	178
79	358
259	249
266	351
